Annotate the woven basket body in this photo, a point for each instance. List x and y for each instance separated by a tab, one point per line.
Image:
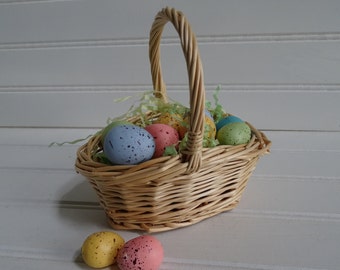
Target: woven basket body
174	191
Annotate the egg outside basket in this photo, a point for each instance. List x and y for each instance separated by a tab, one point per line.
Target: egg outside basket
173	191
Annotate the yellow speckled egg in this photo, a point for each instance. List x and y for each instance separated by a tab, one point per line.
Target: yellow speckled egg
209	128
173	120
100	249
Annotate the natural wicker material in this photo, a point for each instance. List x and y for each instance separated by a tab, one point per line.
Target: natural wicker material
171	192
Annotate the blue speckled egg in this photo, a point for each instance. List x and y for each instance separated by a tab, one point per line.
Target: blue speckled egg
128	145
227	120
208	113
110	126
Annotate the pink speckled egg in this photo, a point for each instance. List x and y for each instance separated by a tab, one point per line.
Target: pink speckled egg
143	252
164	135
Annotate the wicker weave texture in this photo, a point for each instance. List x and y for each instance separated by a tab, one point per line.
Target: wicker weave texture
172	192
195	74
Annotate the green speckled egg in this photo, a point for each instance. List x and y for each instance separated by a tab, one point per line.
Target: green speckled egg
234	134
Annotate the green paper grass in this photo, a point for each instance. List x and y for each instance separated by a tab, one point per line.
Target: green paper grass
147	103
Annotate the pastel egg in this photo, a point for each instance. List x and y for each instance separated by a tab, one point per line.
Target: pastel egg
209	127
234	134
227	120
142	252
110	126
128	144
100	249
174	120
163	135
208	113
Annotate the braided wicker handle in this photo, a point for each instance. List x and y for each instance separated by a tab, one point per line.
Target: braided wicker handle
193	153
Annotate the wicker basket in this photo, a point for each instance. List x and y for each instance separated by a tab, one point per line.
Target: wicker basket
174	191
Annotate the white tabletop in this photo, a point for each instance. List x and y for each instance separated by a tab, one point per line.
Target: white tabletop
288	217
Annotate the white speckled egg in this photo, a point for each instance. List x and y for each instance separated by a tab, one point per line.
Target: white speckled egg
234	134
128	145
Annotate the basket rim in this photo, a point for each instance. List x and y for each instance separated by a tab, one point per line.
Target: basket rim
88	166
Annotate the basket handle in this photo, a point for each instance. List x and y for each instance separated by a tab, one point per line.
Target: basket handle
193	153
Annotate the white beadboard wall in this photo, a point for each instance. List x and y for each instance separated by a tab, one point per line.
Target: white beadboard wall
64	62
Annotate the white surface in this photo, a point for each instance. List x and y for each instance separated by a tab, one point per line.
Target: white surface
288	217
62	63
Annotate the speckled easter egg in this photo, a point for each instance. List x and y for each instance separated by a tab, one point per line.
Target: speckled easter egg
128	145
208	113
100	249
209	127
227	120
142	252
110	126
234	134
163	135
174	120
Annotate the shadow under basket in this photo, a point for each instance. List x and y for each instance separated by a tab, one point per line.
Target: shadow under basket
174	191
